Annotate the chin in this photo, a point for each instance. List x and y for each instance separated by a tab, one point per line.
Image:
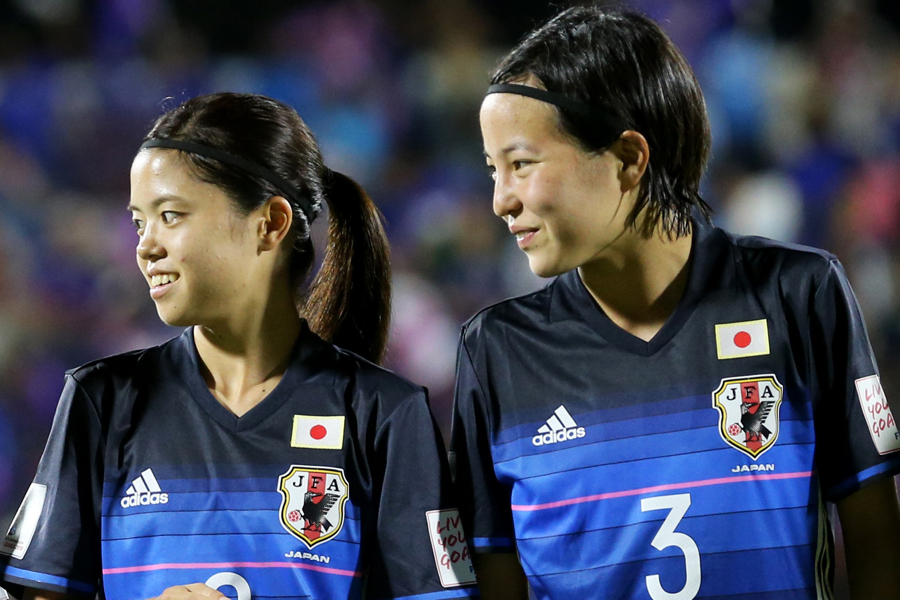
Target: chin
174	318
544	268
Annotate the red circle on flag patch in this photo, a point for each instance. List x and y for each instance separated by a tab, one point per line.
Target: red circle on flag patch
318	432
742	339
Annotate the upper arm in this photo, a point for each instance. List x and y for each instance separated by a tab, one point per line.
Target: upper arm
419	547
857	437
484	500
500	576
870	523
55	537
35	594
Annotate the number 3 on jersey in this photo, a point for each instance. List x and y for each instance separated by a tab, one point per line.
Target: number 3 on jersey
667	536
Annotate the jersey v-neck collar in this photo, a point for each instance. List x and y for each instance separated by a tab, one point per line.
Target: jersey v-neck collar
293	376
571	297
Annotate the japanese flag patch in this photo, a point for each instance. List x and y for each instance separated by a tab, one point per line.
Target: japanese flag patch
742	339
880	419
326	433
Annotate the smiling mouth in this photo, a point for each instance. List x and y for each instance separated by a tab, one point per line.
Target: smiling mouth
523	238
161	280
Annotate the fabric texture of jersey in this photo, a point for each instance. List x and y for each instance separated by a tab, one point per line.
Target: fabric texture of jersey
319	491
693	465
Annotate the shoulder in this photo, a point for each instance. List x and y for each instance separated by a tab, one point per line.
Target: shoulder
119	369
367	387
496	320
372	378
109	386
793	265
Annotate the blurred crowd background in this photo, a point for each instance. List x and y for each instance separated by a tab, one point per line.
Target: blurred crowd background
803	95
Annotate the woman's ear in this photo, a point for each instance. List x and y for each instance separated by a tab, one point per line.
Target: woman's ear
275	219
634	152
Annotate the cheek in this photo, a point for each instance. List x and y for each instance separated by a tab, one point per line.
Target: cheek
218	258
560	204
542	196
569	229
197	247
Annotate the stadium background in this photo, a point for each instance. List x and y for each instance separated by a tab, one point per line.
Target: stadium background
804	99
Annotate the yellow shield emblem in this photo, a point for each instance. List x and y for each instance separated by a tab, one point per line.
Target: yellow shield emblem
748	412
312	502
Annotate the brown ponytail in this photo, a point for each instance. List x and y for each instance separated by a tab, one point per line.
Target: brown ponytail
349	301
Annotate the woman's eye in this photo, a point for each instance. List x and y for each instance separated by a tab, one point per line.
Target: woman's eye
138	225
492	171
518	164
168	216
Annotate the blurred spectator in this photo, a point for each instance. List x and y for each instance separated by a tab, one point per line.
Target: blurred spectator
766	204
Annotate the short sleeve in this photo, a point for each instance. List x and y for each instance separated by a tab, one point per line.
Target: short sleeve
484	501
54	540
857	437
420	550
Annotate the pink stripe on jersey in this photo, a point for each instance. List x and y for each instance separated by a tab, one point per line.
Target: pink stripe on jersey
661	488
228	565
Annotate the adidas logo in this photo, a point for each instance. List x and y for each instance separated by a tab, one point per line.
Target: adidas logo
559	428
143	491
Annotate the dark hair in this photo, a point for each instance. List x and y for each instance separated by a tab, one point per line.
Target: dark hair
623	63
349	301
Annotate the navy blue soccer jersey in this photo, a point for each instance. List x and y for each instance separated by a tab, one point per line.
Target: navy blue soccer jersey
695	465
334	486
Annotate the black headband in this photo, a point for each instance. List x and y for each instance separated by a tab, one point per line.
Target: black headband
606	121
236	161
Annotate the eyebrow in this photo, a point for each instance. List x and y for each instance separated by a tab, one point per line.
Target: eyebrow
156	202
520	145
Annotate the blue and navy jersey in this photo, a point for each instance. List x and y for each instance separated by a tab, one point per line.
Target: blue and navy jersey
696	464
334	486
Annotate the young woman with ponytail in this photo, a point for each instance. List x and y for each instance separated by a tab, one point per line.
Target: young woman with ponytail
260	454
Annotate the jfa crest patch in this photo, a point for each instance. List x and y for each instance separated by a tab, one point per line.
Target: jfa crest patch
312	505
748	412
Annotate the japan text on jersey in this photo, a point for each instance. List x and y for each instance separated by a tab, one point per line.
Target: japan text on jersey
695	465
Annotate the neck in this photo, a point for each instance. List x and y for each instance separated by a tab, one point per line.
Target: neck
639	283
243	359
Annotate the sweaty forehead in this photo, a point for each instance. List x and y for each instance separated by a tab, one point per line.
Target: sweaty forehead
514	106
509	120
157	173
157	162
